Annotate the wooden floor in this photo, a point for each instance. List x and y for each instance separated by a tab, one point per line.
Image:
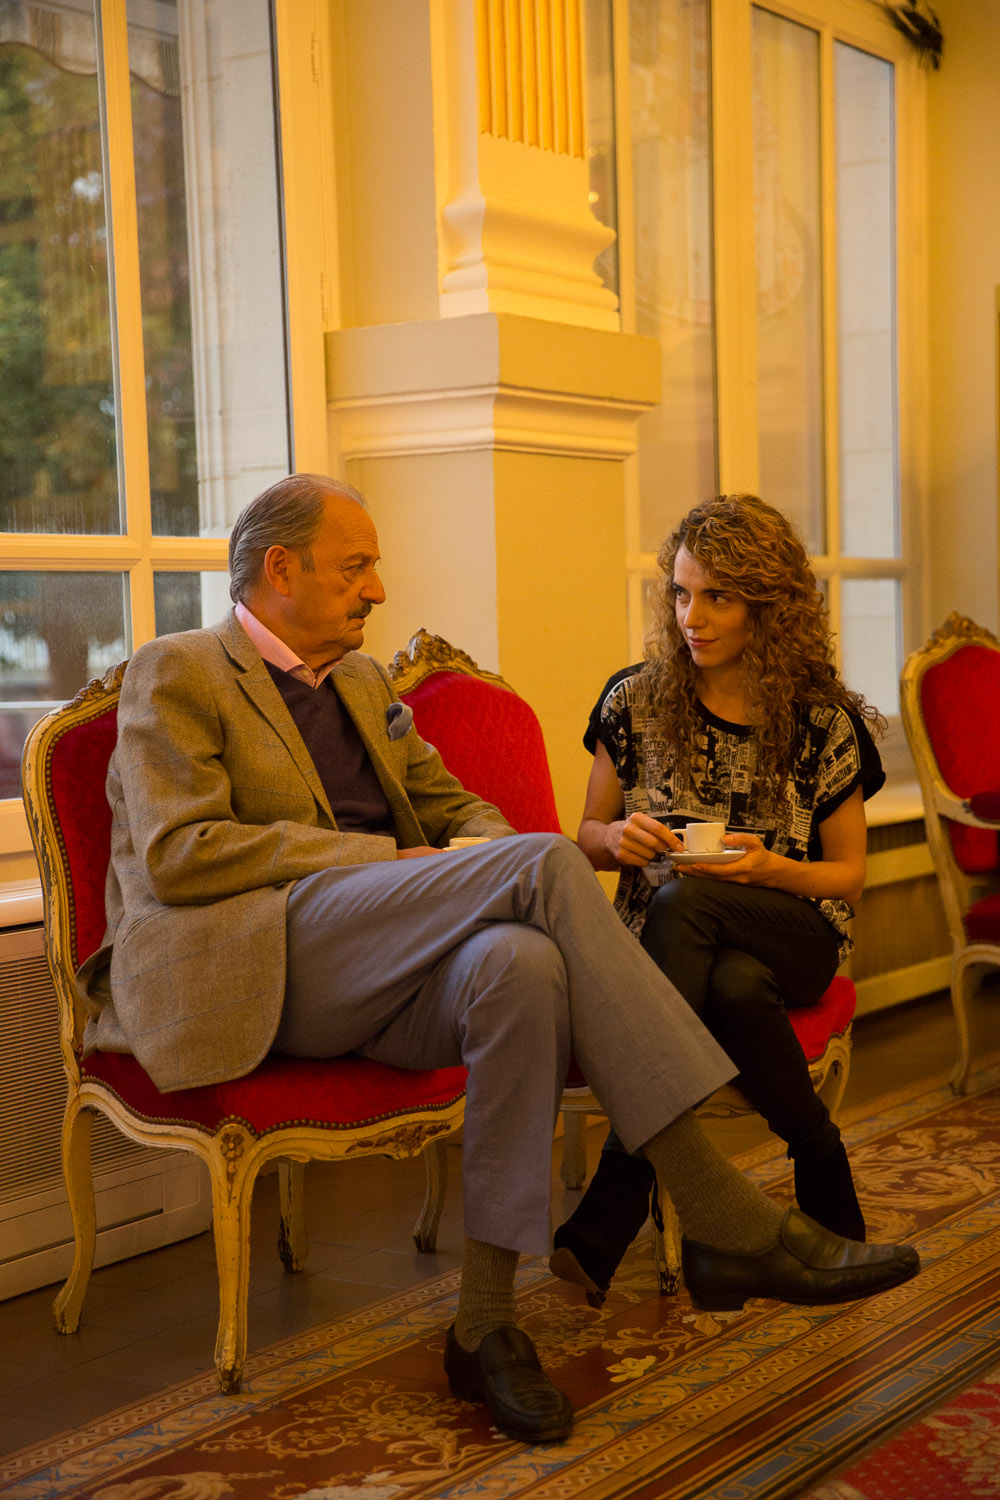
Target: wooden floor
150	1322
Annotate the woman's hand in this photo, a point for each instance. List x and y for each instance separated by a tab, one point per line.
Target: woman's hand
637	839
840	872
606	838
753	869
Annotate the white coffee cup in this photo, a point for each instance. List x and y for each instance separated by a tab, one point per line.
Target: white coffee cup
467	842
703	838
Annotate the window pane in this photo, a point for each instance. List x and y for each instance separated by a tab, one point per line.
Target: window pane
866	304
212	311
871	638
58	469
186	601
672	188
599	53
57	630
787	235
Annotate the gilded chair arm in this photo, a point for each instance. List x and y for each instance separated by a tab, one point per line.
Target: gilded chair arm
957	810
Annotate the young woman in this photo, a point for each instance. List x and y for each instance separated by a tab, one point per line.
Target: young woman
738	716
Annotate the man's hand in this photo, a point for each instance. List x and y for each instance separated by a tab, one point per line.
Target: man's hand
417	853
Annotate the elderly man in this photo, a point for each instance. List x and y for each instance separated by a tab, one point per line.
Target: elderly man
276	883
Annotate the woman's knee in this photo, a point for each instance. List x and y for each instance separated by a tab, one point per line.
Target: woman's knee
677	898
678	913
739	981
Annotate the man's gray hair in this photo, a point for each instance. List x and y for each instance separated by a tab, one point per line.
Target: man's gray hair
288	514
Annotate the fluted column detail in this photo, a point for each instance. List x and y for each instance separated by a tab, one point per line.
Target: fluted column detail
516	230
530	69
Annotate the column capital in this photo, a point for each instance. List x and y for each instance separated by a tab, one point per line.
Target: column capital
492	381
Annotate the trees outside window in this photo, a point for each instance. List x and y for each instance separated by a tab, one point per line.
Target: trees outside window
143	388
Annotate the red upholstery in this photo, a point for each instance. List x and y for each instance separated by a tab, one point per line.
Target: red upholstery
79	766
982	920
282	1091
335	1092
986	805
833	1012
960	703
491	740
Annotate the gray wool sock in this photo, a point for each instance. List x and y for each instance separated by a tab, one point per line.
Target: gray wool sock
715	1203
486	1295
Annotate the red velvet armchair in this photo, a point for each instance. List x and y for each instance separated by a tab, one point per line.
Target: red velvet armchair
950	700
292	1110
491	740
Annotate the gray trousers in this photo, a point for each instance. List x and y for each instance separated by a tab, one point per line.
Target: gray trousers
502	957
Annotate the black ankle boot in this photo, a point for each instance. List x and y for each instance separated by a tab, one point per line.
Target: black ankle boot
591	1243
824	1190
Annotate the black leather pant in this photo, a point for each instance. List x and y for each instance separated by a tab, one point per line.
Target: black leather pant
739	955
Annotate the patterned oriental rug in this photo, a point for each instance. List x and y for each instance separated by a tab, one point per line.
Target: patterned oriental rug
671	1404
954	1454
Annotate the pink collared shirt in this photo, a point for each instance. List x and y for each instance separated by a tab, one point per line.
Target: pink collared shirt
274	650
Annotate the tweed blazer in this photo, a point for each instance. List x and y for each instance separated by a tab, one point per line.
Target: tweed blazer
217	808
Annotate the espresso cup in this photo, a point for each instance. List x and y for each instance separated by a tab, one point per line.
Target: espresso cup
703	838
467	842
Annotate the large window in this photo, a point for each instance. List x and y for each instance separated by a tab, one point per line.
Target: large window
143	386
762	167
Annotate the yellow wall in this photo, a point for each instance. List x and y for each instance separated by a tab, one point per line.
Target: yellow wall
530	583
436	530
561	599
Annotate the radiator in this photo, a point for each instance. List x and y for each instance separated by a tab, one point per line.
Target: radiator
144	1198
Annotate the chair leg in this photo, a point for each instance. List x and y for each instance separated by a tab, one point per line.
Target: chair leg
232	1190
78	1174
833	1086
573	1169
667	1246
425	1230
293	1241
960	987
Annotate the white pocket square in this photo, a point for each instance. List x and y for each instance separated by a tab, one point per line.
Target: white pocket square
398	718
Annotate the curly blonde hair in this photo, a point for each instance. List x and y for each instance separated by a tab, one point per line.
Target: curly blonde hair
788	666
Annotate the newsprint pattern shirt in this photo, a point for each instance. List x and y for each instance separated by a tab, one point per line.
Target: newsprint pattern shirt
833	754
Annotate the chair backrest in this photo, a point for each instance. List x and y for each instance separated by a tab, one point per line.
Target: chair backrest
63	774
950	700
486	735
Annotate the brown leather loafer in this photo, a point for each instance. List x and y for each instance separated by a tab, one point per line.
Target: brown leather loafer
504	1372
806	1264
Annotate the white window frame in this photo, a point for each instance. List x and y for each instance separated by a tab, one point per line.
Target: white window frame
301	44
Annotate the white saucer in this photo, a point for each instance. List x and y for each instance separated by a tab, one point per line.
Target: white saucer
717	857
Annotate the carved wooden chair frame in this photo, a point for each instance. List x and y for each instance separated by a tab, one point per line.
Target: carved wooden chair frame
959	889
234	1153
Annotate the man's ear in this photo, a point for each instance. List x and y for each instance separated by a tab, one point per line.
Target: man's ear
275	569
